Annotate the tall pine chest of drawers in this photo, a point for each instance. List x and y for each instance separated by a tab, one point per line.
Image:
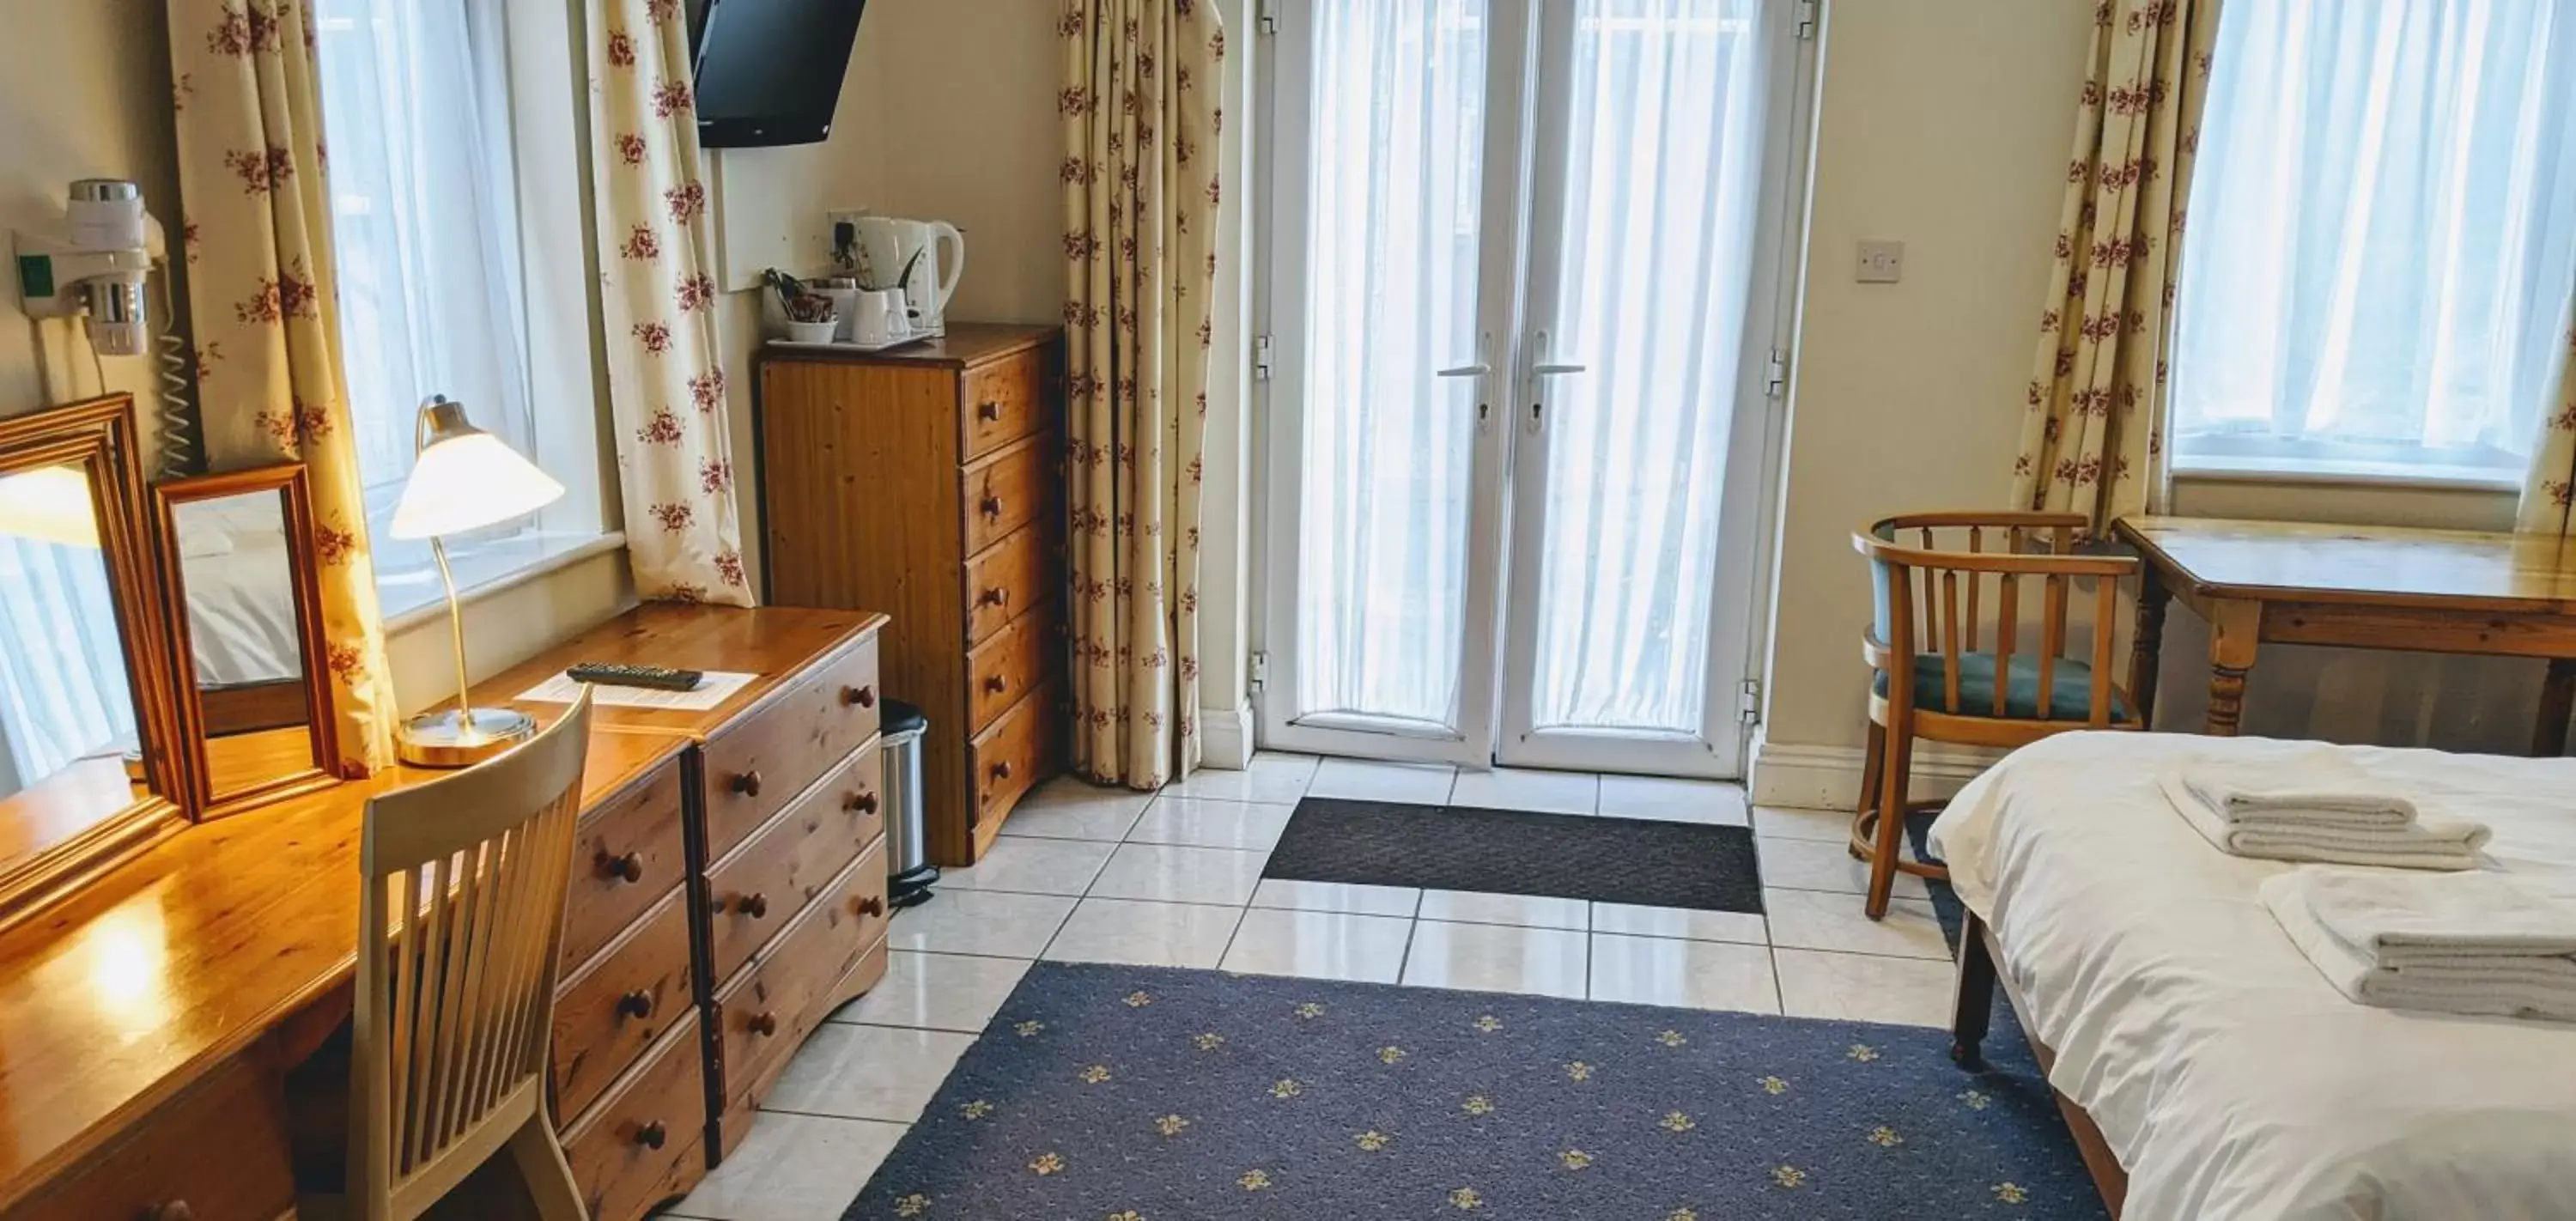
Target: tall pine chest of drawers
927	481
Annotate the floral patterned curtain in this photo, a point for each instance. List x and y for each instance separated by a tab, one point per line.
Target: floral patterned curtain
2092	436
666	383
1141	117
261	288
2549	488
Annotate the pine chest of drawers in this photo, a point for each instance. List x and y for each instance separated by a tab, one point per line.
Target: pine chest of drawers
928	481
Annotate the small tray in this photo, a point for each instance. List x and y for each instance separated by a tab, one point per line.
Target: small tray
840	345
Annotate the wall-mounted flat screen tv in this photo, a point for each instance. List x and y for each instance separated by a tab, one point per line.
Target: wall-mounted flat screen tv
769	71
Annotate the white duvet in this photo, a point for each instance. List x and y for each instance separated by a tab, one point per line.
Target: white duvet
2231	1080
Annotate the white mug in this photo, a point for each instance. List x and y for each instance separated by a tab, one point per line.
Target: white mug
878	317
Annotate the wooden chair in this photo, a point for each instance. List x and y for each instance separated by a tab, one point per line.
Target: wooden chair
1932	678
464	882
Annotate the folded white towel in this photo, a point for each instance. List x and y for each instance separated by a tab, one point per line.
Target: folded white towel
2476	993
2422	843
2320	784
2398	921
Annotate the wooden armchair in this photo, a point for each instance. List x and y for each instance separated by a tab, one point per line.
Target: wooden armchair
1932	676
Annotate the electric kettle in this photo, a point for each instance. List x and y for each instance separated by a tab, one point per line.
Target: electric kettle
892	252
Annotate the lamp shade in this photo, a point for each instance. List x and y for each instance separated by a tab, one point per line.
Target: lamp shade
466	478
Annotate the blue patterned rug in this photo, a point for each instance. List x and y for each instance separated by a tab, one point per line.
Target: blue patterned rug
1147	1094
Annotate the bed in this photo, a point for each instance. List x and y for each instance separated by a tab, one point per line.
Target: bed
2223	1075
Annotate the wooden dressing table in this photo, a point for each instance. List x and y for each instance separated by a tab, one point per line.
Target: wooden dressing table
2363	587
731	894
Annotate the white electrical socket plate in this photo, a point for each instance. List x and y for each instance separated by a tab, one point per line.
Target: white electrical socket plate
1881	262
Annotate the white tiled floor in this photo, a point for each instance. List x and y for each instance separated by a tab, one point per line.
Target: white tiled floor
1084	874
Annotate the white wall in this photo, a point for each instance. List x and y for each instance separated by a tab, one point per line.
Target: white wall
1947	126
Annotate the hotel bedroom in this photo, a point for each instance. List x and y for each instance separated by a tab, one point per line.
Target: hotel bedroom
1247	608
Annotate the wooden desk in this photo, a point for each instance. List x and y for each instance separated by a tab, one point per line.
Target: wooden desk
2429	591
169	997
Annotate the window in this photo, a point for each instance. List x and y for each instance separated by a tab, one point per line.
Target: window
2382	240
456	268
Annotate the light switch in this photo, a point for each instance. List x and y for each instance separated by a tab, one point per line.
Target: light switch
1881	262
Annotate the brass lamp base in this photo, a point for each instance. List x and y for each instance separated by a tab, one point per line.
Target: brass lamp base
441	739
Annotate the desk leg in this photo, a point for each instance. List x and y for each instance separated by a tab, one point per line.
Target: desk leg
2557	701
2147	649
2235	628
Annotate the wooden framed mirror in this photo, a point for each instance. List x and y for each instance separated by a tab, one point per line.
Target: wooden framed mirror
89	771
238	567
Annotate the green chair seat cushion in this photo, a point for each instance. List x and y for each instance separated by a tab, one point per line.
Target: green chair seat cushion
2070	696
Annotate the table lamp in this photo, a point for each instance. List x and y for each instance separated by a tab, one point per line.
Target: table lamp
463	479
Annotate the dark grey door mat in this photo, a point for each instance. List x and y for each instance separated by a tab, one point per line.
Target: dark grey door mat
1515	852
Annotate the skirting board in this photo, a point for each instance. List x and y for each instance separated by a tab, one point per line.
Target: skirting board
1809	777
1225	738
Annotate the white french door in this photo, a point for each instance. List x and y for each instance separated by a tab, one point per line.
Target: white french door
1524	267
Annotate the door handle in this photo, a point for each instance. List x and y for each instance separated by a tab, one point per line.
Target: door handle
1475	370
1554	370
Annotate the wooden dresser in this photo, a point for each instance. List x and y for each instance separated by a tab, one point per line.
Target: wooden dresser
729	892
928	481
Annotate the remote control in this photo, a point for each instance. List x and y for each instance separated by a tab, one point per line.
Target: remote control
619	674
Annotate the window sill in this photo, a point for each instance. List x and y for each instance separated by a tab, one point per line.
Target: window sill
2446	479
553	560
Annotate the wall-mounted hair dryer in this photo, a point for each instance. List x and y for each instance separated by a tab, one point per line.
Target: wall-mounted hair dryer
96	265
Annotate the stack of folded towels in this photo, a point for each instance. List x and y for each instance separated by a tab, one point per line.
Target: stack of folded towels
2475	943
2316	806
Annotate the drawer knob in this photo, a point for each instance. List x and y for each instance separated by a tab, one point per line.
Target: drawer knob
864	803
635	1004
754	905
990	413
747	784
627	868
996	596
1002	770
992	506
870	905
859	697
997	684
763	1023
652	1135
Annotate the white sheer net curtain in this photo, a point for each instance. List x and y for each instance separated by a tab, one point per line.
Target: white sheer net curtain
1662	172
63	694
2383	237
1393	234
425	225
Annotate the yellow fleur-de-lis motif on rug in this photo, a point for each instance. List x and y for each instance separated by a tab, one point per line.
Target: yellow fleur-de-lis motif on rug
1138	1000
1029	1030
1682	1214
1125	1214
1773	1085
1254	1180
1862	1052
1048	1163
912	1205
1310	1009
1286	1087
1489	1023
1675	1121
1095	1074
1209	1041
976	1109
1671	1038
1171	1125
1372	1140
1466	1198
1885	1137
1574	1159
2011	1193
1578	1070
1976	1101
1789	1176
1477	1104
1389	1055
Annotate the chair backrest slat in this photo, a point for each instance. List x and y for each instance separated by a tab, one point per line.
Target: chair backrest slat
2052	640
1950	639
460	928
2007	623
1976	544
2106	605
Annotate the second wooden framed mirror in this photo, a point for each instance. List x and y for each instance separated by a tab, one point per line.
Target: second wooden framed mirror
238	565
